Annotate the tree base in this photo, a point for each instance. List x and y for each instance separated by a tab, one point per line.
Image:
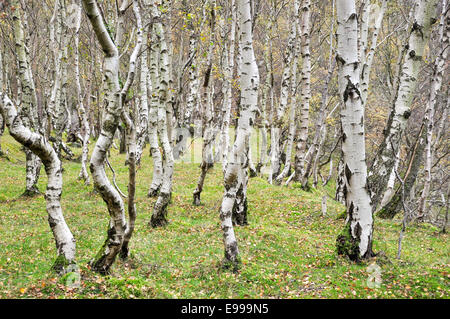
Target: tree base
159	217
348	246
61	265
196	200
33	192
233	265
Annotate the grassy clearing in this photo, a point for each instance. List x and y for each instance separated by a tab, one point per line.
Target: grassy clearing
287	251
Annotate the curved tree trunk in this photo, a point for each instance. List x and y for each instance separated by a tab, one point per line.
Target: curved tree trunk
117	225
65	243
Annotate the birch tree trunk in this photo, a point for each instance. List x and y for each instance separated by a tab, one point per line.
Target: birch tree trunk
239	154
412	60
82	114
355	241
227	100
28	100
64	240
302	132
142	129
436	83
284	96
117	225
153	119
208	111
159	215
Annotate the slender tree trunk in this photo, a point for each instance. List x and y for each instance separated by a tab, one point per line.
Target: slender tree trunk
153	119
300	154
284	94
412	60
208	111
28	100
436	83
239	154
82	114
159	215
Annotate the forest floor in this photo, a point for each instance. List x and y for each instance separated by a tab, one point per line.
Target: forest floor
287	250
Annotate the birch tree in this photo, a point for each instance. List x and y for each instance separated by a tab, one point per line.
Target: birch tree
36	143
239	154
117	228
355	241
302	133
159	215
28	99
412	60
436	83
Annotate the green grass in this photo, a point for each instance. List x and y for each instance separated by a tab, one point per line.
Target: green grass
287	250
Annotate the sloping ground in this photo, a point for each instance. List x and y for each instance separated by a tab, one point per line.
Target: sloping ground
287	250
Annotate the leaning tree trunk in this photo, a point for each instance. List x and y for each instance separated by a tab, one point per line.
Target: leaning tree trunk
293	110
412	60
65	243
395	204
355	241
249	98
131	134
436	83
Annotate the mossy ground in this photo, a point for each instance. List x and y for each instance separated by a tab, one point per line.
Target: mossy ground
288	250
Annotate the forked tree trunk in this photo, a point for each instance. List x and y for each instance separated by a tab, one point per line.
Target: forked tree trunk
117	225
355	241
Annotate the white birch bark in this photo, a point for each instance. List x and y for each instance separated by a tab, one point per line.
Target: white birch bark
436	83
284	94
82	113
117	225
153	118
227	90
65	242
142	130
207	110
249	99
302	132
412	60
28	99
356	238
159	215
